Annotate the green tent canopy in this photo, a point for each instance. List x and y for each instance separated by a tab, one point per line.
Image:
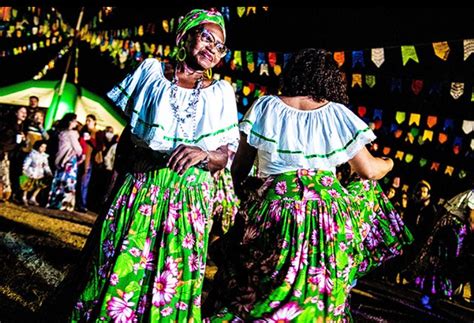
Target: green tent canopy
74	99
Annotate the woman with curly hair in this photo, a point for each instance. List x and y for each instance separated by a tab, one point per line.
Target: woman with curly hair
306	238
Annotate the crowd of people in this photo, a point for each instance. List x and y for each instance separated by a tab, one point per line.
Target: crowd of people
63	159
294	238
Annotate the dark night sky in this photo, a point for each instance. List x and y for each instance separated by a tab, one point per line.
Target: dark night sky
280	29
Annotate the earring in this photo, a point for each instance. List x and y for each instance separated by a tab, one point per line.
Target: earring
208	73
181	55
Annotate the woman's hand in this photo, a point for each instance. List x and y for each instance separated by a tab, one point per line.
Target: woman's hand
185	157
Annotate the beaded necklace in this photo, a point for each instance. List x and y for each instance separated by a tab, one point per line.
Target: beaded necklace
189	113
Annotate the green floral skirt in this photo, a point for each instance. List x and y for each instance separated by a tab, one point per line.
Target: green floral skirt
304	241
150	263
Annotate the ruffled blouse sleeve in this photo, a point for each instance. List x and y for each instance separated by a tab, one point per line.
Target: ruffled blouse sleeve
123	93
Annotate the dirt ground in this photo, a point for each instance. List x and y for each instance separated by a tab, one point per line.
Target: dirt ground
38	247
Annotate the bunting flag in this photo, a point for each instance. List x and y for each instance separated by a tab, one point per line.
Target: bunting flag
272	59
467	126
416	86
427	135
462	174
442	138
165	25
472	144
472	95
415	132
250	62
434	166
246	90
457	90
441	50
386	150
431	121
252	10
378	124
409	52
399	155
449	170
358	58
264	69
240	11
468	48
378	113
339	58
370	80
228	56
396	85
286	58
408	158
225	11
356	80
277	70
423	162
405	188
237	61
414	119
457	141
448	124
435	89
260	58
400	117
378	56
398	133
361	111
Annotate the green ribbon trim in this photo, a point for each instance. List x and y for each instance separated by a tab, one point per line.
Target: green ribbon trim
284	151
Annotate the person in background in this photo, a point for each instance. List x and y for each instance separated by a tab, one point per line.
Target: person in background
89	146
63	189
17	155
12	139
441	268
35	131
33	106
35	172
101	173
420	218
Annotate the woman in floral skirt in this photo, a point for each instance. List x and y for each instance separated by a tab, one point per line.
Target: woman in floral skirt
305	238
150	259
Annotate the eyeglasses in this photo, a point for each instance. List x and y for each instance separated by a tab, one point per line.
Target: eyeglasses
209	38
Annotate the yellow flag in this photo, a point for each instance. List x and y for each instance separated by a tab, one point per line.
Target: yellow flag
441	50
277	69
427	135
449	170
400	117
240	11
356	80
399	154
414	118
166	26
246	90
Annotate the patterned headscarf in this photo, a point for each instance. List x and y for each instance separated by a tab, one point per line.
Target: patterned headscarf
198	17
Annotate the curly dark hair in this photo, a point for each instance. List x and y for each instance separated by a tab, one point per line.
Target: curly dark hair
314	73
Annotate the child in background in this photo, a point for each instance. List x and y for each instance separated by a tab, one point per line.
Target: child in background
35	170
